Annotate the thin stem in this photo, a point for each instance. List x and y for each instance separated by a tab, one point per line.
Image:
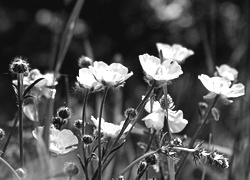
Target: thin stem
99	134
137	160
150	140
13	172
197	133
85	100
204	167
20	114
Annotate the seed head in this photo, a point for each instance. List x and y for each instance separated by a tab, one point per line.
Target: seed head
19	66
70	169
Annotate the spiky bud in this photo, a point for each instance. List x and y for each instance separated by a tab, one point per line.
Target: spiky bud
151	159
2	134
64	112
131	113
22	173
85	62
19	66
70	169
87	139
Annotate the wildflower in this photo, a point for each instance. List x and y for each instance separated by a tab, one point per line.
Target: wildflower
71	169
64	112
113	75
159	71
85	62
221	86
2	134
87	80
157	115
109	129
227	72
175	52
19	66
60	142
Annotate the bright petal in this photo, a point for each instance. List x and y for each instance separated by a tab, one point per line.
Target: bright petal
236	90
176	121
149	64
69	139
156	106
155	120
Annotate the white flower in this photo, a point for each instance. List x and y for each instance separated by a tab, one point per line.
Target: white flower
227	72
154	69
221	86
87	80
157	115
112	75
175	52
60	142
109	129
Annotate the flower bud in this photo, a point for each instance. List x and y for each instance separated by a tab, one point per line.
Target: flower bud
2	134
85	62
64	112
120	177
78	124
58	122
151	159
21	173
87	139
19	66
131	113
70	169
142	166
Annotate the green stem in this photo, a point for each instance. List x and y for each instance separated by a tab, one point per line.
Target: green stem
85	99
137	160
99	134
197	133
150	141
13	172
20	115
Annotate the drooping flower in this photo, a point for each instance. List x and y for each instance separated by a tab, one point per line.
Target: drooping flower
60	142
176	52
87	80
221	86
112	75
227	72
160	71
109	129
157	115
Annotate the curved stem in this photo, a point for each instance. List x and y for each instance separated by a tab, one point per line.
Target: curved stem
99	134
137	160
197	133
13	172
20	114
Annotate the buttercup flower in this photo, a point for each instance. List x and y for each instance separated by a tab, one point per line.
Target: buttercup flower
157	115
112	75
87	80
221	86
227	72
175	52
109	129
159	71
60	142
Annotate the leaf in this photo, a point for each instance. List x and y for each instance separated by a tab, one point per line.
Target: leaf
31	86
15	89
29	111
216	114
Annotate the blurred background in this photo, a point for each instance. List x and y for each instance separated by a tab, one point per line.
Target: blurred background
121	30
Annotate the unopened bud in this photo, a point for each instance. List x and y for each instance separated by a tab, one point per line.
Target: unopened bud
70	169
85	62
21	173
19	66
87	139
78	124
131	113
120	177
64	112
2	134
58	122
142	166
151	159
